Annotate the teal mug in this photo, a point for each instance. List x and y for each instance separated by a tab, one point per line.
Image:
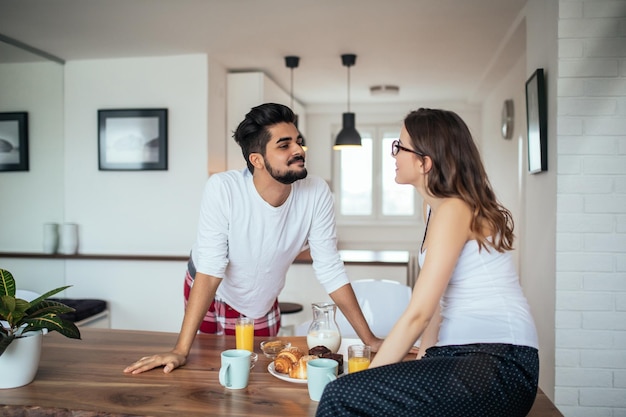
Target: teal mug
235	369
319	373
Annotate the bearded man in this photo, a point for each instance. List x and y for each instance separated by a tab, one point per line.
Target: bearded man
253	223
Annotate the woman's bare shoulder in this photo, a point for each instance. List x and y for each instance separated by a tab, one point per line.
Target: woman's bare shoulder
454	207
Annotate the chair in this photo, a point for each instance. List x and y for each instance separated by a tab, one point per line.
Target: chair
26	295
382	302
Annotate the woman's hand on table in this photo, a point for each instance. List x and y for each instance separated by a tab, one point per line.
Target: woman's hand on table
169	361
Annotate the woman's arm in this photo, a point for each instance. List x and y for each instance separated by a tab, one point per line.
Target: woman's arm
430	336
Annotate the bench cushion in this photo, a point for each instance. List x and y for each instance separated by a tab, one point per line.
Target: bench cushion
85	308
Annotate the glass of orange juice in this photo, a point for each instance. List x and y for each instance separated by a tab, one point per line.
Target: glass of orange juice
358	358
244	333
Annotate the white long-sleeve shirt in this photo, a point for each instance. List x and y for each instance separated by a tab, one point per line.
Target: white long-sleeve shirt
251	244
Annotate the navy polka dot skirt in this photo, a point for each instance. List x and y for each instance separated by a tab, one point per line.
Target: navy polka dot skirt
480	380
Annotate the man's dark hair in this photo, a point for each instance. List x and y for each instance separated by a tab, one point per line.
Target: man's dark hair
252	134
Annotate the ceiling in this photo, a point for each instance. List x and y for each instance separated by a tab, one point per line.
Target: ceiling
434	50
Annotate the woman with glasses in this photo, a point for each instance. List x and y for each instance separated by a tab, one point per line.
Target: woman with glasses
478	352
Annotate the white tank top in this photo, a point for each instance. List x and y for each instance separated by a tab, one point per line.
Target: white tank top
484	302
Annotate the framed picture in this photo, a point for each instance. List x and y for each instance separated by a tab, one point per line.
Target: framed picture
537	119
132	139
14	141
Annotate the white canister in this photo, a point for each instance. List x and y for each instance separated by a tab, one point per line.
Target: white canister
68	243
50	237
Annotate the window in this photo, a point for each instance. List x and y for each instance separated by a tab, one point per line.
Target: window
365	188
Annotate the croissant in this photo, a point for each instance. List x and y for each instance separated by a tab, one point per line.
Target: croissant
293	354
307	358
298	370
282	365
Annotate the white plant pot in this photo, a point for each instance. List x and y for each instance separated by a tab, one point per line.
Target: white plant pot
20	361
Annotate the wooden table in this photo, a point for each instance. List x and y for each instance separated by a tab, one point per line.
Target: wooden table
84	378
87	375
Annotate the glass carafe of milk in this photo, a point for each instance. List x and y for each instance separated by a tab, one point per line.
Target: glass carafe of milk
324	331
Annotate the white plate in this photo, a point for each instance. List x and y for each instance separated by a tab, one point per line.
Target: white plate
343	350
284	377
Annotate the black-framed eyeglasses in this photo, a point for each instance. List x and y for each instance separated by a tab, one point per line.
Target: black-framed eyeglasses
395	148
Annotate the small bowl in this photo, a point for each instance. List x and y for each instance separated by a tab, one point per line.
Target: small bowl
271	348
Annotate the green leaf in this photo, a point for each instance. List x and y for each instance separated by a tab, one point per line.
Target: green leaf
70	330
46	307
7	283
48	294
53	323
7	303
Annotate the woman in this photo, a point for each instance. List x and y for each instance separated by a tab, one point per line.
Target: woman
478	352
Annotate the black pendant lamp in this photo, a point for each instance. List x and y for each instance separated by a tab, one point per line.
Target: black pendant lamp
348	136
292	62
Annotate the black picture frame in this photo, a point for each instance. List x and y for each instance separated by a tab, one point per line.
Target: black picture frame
14	141
537	122
132	139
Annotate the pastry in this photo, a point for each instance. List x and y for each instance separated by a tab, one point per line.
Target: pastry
337	357
273	344
293	354
298	370
319	350
282	365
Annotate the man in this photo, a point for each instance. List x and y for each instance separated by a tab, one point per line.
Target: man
253	223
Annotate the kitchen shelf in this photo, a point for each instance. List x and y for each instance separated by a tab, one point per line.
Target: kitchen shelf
352	257
80	256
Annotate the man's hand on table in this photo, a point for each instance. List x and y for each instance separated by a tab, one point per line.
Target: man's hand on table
169	361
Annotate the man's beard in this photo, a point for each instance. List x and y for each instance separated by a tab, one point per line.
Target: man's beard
286	177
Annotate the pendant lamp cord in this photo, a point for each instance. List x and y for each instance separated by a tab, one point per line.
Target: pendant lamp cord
292	89
348	88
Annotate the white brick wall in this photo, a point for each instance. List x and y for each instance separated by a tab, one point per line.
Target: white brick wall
590	352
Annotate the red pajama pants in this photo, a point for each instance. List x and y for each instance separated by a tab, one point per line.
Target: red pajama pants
220	317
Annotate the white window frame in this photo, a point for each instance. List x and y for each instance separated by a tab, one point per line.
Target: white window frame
377	217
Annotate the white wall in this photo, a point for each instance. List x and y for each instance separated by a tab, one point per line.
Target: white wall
506	164
140	212
537	243
591	209
216	139
141	295
503	158
34	197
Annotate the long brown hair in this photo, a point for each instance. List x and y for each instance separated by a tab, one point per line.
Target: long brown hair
457	171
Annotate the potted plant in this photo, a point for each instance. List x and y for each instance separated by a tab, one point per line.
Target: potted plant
21	329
